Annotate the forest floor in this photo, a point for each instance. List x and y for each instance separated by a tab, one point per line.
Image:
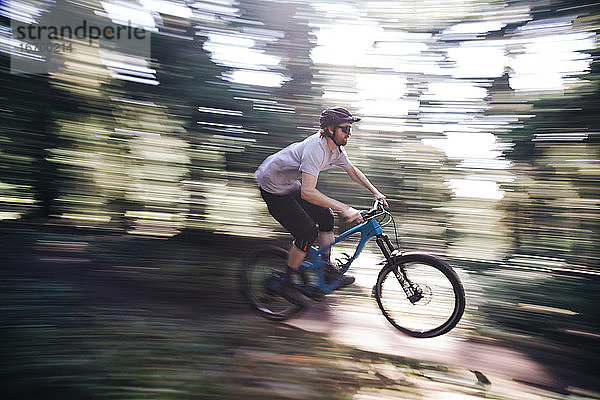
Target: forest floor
90	314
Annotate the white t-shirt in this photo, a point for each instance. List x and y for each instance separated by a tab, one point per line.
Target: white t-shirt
280	173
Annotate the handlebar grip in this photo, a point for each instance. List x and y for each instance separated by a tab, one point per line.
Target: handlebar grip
367	214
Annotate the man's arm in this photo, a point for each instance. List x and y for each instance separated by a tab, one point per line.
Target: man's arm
357	176
310	193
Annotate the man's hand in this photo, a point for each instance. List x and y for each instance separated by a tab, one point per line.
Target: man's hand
379	196
351	214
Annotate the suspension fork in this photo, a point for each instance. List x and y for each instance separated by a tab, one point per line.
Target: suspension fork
413	295
383	241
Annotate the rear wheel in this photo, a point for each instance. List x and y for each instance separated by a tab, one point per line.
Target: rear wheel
436	299
267	264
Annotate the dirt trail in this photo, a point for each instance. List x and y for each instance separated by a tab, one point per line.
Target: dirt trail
357	322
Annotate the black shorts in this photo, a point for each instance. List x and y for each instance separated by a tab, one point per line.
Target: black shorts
298	216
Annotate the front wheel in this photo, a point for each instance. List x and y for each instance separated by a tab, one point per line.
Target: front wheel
429	303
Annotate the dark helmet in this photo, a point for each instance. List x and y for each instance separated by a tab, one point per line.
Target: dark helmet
335	116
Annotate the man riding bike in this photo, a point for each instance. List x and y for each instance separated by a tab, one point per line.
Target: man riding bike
288	180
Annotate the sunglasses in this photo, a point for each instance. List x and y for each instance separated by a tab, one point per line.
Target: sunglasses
346	129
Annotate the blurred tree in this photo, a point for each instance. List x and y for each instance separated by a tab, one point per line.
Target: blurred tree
288	113
30	104
552	203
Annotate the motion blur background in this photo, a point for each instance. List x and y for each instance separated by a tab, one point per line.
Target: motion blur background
480	124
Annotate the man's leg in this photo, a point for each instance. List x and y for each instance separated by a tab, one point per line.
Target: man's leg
290	214
295	257
324	217
325	239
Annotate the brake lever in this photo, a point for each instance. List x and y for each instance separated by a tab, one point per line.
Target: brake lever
369	213
365	214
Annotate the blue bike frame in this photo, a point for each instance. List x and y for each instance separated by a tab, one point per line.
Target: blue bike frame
368	230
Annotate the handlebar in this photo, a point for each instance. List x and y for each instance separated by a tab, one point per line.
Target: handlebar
367	214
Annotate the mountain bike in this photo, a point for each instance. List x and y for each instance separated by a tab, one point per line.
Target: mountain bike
419	294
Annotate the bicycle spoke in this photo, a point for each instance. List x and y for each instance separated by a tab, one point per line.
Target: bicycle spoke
435	308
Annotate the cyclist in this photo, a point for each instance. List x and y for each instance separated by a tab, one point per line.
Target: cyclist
287	181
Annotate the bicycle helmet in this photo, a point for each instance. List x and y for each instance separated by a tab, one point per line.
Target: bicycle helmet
334	116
